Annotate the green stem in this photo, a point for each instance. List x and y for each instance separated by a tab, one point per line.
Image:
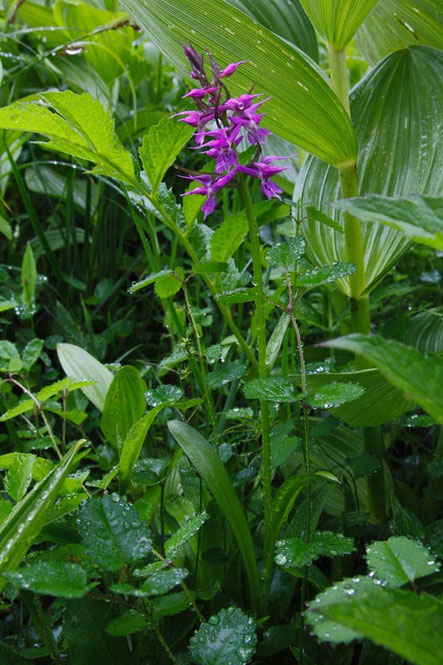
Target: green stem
359	300
32	602
260	323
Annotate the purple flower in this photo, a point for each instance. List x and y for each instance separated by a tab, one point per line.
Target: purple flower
230	69
211	184
200	93
196	60
222	147
264	171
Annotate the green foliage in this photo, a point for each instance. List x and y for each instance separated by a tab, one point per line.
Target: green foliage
125	404
112	532
295	553
79	364
337	22
29	276
55	578
399	560
271	389
228	636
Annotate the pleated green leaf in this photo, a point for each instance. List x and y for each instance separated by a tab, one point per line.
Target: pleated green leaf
284	17
79	364
303	108
207	463
418	376
397	24
401	97
337	20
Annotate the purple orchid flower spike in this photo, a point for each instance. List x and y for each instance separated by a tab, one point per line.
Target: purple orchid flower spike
231	118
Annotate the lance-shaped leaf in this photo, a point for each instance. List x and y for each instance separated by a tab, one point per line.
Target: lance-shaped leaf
419	377
207	463
80	127
125	404
419	218
79	364
397	24
404	91
23	524
303	108
287	19
337	20
133	444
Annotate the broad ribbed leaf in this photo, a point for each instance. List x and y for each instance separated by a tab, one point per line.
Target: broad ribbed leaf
303	108
206	461
228	637
23	524
80	365
397	24
125	404
284	17
337	20
419	218
80	127
407	624
419	377
401	97
399	560
423	330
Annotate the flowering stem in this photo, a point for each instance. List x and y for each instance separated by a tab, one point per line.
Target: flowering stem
359	301
260	321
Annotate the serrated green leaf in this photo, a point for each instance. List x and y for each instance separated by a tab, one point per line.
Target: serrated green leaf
127	623
407	624
286	253
9	353
184	533
31	353
419	218
54	578
399	560
80	365
334	394
22	407
325	274
164	394
225	373
228	636
403	90
206	461
112	532
398	24
163	581
173	603
271	389
418	376
296	553
23	524
160	147
125	404
19	476
337	20
303	109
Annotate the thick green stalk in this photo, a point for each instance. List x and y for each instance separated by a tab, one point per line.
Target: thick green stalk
359	301
260	323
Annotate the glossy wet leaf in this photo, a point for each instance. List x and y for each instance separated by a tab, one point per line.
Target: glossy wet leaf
286	253
398	24
125	404
53	578
127	623
276	339
295	552
225	373
337	20
399	560
288	20
133	444
149	471
401	91
80	365
31	353
334	394
419	377
228	636
363	465
271	389
149	279
29	274
112	532
325	274
19	476
343	592
303	108
161	146
25	521
236	296
79	126
164	394
163	581
207	463
407	624
168	285
228	237
173	603
419	218
184	534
